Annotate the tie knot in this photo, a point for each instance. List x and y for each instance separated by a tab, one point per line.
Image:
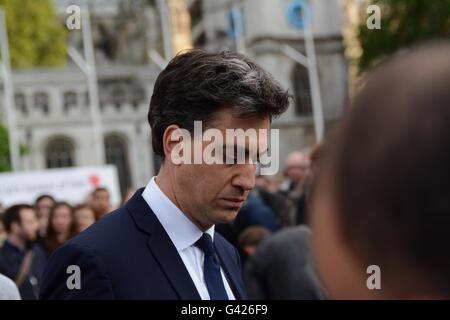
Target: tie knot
205	244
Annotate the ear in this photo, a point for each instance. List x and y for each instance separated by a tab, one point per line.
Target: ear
172	137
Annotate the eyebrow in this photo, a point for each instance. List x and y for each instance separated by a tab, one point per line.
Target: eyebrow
246	149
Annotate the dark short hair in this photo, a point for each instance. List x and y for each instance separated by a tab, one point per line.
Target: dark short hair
82	206
99	189
252	236
12	214
44	196
390	169
196	84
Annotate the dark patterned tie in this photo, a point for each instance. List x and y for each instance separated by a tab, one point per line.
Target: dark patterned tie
211	269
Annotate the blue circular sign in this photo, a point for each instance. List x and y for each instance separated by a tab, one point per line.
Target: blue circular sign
298	13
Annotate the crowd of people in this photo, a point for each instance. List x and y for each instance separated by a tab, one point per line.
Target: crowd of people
30	233
375	193
277	203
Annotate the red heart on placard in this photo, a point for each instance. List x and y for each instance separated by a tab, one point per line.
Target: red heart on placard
94	181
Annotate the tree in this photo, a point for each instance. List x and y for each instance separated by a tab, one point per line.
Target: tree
36	37
4	150
5	163
404	23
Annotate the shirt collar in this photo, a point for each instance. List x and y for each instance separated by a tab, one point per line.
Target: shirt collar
182	231
9	246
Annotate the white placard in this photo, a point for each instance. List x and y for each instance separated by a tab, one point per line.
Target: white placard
67	184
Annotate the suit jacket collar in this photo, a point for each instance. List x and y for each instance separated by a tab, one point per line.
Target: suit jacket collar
168	258
226	262
182	231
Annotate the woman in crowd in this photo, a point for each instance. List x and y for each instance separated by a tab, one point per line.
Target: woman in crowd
60	226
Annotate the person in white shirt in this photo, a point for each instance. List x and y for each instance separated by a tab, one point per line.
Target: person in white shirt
8	289
162	243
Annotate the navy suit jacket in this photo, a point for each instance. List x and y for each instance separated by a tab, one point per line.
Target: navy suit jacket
128	255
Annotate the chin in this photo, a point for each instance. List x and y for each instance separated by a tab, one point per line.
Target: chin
226	215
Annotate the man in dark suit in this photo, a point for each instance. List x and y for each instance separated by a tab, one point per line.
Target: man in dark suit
21	259
282	268
161	244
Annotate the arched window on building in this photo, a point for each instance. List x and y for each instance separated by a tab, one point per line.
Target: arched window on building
116	152
302	92
70	100
59	153
118	97
20	101
41	101
87	100
138	97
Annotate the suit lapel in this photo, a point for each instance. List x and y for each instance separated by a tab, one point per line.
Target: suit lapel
167	256
162	248
226	263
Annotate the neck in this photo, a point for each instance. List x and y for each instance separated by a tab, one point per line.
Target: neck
16	242
165	182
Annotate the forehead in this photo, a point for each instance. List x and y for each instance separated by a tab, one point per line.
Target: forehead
27	213
85	212
101	193
228	118
45	201
62	209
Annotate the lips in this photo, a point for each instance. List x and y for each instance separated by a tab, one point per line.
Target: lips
232	202
235	199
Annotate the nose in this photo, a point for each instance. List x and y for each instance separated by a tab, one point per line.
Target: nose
245	178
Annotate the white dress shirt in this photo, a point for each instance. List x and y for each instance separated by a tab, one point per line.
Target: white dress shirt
184	234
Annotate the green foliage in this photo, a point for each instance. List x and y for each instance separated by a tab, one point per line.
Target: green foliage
5	164
36	37
404	23
4	150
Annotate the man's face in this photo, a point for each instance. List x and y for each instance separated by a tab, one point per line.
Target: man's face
214	193
101	201
27	230
297	166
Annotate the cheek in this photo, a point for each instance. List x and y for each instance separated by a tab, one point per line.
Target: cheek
202	181
87	219
28	228
62	221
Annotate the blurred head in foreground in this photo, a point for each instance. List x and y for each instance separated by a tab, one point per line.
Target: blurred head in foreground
383	196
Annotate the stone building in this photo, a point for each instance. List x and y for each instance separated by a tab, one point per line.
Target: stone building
52	106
